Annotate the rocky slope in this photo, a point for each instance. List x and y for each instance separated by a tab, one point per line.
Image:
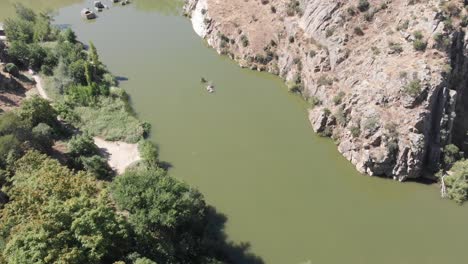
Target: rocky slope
385	79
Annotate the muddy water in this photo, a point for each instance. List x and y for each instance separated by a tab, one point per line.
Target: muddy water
250	149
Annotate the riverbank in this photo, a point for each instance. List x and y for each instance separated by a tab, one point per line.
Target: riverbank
119	155
85	213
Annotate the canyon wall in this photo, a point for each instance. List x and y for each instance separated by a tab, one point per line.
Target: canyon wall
386	81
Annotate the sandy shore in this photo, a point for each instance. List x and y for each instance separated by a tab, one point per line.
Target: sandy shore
119	154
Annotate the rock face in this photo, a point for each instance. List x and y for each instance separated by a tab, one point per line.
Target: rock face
387	81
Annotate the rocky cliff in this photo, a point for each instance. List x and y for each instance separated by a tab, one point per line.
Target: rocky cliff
385	79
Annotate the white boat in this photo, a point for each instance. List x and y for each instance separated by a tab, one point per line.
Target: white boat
88	14
98	6
210	88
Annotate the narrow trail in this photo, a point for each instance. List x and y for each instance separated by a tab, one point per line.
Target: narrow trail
39	86
119	155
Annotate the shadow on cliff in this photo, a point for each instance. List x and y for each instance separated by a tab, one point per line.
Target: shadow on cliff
224	249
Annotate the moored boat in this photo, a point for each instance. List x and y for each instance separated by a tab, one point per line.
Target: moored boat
88	14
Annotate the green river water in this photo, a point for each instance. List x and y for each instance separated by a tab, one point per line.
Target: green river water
250	150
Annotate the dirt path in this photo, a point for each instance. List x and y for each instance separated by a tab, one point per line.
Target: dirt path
39	86
119	154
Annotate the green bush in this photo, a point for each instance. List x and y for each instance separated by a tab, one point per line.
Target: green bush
355	131
149	153
337	99
111	119
395	47
82	145
37	110
12	69
419	45
97	166
451	155
457	182
43	135
244	41
363	5
413	89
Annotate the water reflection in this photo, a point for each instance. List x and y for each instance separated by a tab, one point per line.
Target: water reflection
7	9
165	7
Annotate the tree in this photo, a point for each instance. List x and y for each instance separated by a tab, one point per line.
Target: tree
69	35
37	55
168	216
10	147
19	53
12	69
42	28
149	153
144	261
61	78
43	136
69	217
97	166
25	13
451	155
19	30
457	182
38	110
77	71
82	145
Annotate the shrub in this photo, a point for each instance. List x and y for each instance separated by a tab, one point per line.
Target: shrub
337	99
457	182
418	35
395	47
12	69
324	80
355	131
37	110
19	53
43	135
98	166
363	5
149	153
358	31
82	145
341	117
111	119
451	155
244	41
314	101
413	88
419	45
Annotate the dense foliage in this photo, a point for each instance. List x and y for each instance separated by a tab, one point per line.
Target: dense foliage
75	211
78	79
457	182
57	216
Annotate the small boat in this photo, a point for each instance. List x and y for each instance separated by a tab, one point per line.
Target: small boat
125	2
98	6
210	88
88	14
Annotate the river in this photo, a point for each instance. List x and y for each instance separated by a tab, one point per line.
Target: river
250	150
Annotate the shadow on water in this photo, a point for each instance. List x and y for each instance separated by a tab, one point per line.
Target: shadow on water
228	251
165	165
121	78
